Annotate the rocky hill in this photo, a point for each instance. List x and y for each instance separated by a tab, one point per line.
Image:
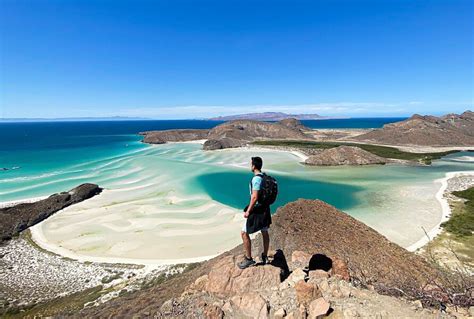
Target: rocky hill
240	132
345	155
17	218
321	260
448	130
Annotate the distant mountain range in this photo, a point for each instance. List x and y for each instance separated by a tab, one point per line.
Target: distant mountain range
268	116
72	119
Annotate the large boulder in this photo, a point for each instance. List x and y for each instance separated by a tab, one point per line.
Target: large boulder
344	155
249	305
226	278
318	307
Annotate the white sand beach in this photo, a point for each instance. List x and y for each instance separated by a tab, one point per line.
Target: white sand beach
440	196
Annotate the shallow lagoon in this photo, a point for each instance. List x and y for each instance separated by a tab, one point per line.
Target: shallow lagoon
175	202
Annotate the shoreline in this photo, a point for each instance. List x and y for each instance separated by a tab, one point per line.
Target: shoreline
22	201
446	210
149	264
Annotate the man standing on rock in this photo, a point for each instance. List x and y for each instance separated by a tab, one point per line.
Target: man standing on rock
263	191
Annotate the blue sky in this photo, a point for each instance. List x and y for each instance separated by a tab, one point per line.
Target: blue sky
188	59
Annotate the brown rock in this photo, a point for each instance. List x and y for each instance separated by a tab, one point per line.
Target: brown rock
220	276
305	292
250	305
340	269
198	285
301	313
226	278
279	314
317	274
436	293
213	312
297	275
300	259
318	307
323	286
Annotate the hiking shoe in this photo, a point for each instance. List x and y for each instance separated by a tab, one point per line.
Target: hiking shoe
264	259
246	263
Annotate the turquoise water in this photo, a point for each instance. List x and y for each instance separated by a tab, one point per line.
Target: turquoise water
290	189
160	196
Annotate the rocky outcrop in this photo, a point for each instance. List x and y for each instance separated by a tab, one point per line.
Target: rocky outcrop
344	155
240	132
17	218
226	142
161	137
294	124
263	293
320	229
320	252
448	130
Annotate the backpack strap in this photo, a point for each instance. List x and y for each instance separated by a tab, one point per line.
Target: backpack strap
259	174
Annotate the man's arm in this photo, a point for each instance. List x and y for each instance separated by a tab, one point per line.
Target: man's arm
253	200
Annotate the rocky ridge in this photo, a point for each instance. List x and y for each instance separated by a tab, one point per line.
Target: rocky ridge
22	216
345	155
447	130
311	290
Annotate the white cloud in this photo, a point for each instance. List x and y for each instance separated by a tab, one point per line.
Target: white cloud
203	111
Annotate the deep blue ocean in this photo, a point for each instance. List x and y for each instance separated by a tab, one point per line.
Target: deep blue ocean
31	151
16	136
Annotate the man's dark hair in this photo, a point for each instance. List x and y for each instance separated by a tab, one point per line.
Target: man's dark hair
257	162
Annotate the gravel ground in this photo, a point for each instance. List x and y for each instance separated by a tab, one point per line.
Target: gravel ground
459	183
29	275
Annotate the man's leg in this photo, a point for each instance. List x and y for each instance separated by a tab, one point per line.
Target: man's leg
266	242
247	244
248	261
